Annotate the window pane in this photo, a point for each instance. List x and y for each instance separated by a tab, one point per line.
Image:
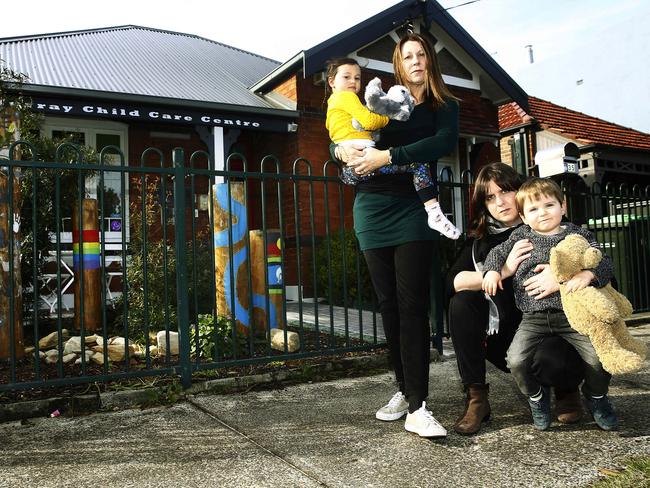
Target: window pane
112	183
381	50
104	140
449	65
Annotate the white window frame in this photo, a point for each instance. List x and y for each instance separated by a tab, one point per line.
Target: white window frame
90	129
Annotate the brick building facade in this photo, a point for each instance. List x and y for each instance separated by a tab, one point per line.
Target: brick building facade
243	103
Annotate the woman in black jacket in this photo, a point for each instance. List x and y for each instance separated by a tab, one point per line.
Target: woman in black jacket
482	327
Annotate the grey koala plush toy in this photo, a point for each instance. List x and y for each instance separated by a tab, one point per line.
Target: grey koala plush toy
397	103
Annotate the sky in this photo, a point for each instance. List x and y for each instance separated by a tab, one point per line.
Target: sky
585	51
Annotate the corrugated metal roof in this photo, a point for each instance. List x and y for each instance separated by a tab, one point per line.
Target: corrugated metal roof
140	61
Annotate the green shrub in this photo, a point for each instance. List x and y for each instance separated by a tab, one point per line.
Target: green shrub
330	262
216	342
156	309
200	276
150	312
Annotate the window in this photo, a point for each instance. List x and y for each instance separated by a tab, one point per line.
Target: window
519	154
98	135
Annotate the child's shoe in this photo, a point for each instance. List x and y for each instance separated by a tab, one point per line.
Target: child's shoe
541	409
602	411
437	221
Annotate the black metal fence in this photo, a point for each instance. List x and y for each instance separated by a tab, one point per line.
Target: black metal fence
172	267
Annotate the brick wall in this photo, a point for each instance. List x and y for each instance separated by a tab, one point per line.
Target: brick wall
478	115
506	149
288	89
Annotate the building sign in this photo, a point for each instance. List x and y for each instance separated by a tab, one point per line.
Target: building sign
164	114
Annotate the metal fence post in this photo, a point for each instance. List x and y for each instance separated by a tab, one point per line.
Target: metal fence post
182	311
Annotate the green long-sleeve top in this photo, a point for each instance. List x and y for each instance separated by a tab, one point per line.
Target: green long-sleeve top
387	210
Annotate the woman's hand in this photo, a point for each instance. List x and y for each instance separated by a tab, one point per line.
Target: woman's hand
542	284
370	160
520	251
579	281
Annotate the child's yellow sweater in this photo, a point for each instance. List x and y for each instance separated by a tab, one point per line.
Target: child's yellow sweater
342	107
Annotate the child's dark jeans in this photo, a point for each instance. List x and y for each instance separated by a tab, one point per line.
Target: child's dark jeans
533	328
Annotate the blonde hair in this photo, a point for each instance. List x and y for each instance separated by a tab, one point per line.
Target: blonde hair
435	88
534	188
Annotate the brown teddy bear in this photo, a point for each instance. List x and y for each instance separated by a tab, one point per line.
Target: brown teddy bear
596	312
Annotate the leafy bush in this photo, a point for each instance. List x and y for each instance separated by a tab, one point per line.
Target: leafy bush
159	256
216	342
200	275
38	187
330	261
157	308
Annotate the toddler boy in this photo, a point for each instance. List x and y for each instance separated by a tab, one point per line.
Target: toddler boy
540	204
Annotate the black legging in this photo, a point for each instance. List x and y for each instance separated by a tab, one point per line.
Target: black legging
556	363
400	277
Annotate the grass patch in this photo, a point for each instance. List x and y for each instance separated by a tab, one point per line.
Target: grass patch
636	474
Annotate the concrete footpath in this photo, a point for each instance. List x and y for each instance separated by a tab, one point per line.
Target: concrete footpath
323	434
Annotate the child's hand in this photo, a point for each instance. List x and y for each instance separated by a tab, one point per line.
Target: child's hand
580	281
520	251
492	282
347	153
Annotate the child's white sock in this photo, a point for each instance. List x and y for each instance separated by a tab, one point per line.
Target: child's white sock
538	396
437	221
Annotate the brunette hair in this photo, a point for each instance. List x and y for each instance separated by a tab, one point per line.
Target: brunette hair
333	65
435	88
535	188
505	177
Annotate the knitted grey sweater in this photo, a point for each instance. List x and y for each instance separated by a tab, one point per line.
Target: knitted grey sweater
540	254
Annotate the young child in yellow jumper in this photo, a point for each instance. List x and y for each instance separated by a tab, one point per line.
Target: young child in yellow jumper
344	79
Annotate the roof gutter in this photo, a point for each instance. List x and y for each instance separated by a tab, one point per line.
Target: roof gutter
29	89
597	147
517	128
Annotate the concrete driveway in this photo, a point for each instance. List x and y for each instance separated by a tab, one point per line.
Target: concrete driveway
323	434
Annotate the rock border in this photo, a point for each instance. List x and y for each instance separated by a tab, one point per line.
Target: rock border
84	404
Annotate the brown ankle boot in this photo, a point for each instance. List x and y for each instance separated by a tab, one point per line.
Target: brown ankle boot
568	406
477	409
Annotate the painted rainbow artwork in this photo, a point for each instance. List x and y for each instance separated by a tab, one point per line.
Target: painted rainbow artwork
90	239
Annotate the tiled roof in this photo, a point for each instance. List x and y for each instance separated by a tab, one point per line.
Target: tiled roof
140	61
582	128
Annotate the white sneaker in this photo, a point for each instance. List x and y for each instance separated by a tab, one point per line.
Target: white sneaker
395	409
424	424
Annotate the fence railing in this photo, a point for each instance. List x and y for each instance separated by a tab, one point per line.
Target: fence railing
198	269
